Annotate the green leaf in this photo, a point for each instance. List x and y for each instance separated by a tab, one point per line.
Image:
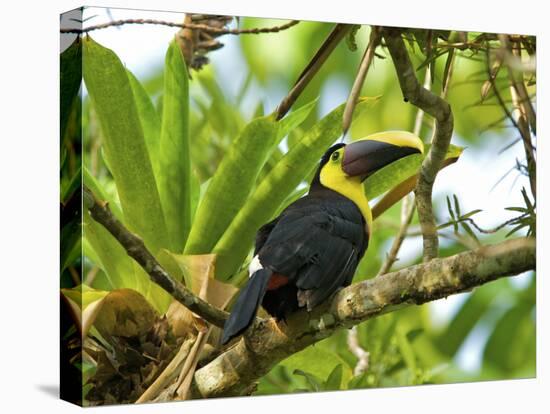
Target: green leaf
471	213
313	382
469	314
231	184
469	230
513	329
150	120
359	382
279	183
124	143
113	258
121	271
71	186
295	118
414	333
457	205
390	176
318	362
174	161
70	79
407	351
334	379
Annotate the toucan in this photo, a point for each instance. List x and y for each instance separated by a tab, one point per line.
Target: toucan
312	249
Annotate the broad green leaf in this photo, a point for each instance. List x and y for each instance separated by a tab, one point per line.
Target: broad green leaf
313	382
150	121
70	79
390	176
113	258
70	186
70	221
295	118
120	269
175	166
124	143
281	181
469	314
406	350
318	362
359	382
231	184
334	379
514	328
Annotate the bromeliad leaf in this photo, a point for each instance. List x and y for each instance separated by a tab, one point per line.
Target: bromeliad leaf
174	175
150	120
70	79
124	143
231	184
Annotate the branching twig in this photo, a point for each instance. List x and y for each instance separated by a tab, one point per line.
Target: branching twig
193	26
441	111
136	249
265	344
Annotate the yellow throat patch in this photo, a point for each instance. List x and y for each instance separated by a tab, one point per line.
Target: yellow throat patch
332	176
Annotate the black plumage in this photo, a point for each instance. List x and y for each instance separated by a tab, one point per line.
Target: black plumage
316	243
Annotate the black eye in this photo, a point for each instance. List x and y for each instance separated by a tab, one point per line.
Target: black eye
335	156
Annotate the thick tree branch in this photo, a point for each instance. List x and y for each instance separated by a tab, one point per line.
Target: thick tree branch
235	371
438	108
136	249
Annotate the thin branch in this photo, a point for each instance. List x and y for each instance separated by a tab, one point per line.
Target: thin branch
407	212
441	111
136	249
360	78
266	343
192	26
328	46
525	114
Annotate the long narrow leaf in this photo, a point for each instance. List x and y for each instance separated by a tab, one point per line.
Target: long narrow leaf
124	143
70	79
150	120
232	184
175	166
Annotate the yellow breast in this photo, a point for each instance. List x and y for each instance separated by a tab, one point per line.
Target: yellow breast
349	187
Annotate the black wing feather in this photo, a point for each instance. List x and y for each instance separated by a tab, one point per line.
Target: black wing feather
317	243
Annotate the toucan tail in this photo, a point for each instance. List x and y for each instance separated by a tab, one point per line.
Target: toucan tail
246	305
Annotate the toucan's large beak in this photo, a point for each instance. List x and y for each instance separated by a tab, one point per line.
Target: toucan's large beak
369	154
